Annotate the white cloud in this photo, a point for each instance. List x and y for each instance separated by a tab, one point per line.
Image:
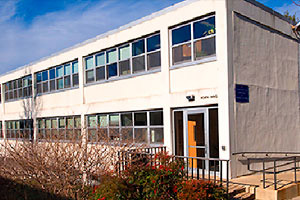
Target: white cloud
7	10
49	33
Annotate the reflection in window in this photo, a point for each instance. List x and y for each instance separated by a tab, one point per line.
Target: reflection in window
127	59
201	41
57	78
127	127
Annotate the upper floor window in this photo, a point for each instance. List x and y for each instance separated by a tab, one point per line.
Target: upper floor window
193	41
18	88
131	58
57	78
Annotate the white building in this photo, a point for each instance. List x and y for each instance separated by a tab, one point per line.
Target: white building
206	78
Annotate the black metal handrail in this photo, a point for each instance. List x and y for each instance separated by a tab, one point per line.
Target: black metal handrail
276	164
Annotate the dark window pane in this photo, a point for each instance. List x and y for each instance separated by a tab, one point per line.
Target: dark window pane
45	87
153	43
20	92
153	60
29	90
140	135
67	81
127	135
45	75
52	73
124	67
138	64
59	83
126	119
140	119
52	85
138	47
11	95
112	70
157	135
25	92
19	83
100	73
205	47
89	76
114	120
15	94
14	84
204	28
38	77
182	34
75	79
102	134
181	53
114	134
156	118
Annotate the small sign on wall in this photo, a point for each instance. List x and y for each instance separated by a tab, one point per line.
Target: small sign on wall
241	93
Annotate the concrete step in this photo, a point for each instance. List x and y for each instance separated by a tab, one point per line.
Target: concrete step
244	196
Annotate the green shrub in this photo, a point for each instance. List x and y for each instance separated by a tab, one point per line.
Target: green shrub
155	180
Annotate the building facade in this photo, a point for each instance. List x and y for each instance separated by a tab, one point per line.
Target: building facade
206	78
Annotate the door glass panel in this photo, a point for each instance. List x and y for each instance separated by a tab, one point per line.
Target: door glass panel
178	126
196	131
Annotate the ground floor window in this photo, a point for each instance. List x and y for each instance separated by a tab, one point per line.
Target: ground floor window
61	128
144	127
19	129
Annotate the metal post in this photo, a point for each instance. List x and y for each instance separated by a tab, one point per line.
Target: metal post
192	168
215	171
227	178
275	181
221	171
295	170
264	175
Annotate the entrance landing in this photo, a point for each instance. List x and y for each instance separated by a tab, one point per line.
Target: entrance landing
286	186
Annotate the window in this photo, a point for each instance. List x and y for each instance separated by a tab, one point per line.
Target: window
57	78
139	127
131	58
59	128
193	41
19	129
19	88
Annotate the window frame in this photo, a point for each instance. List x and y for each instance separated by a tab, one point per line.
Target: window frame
15	91
191	41
52	130
56	78
148	127
131	57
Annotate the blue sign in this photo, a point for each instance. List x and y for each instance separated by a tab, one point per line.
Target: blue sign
242	93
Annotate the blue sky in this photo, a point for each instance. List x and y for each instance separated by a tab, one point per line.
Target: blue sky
32	29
